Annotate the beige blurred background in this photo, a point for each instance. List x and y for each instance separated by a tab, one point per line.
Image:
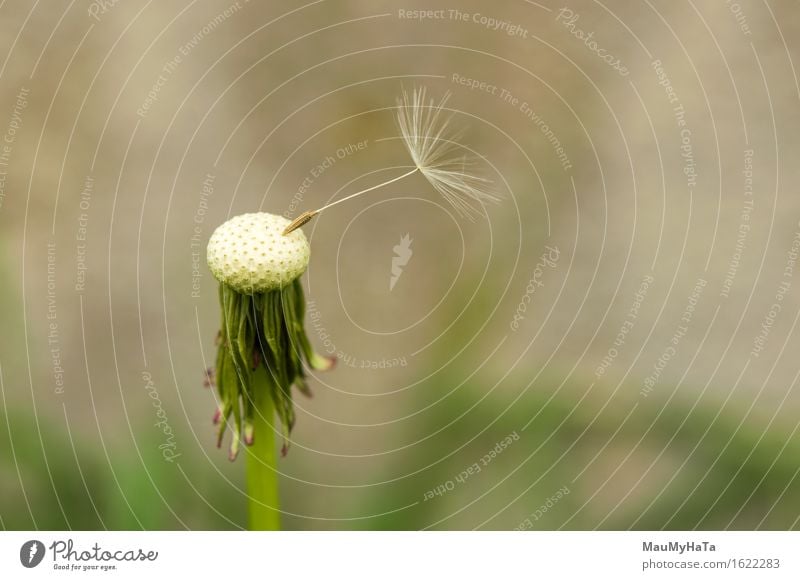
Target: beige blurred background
133	129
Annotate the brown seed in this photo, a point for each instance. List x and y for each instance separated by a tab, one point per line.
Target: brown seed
299	221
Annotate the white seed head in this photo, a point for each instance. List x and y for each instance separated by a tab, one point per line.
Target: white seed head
250	254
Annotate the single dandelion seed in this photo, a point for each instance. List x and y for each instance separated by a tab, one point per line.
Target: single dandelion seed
434	149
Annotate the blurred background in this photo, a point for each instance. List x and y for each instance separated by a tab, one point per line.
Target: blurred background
612	346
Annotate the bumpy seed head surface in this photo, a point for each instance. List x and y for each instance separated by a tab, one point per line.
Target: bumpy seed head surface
250	254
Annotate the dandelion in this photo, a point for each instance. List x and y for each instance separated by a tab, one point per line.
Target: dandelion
434	149
262	347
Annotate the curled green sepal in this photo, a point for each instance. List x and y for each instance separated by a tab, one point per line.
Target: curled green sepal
261	328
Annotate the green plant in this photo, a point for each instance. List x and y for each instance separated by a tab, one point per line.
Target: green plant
261	345
258	259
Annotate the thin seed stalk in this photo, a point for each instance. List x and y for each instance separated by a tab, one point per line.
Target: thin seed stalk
262	471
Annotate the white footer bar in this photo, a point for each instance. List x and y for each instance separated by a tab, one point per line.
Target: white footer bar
356	555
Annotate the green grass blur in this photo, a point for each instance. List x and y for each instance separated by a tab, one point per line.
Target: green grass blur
72	484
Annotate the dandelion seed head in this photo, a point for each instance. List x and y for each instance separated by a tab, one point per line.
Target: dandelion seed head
268	261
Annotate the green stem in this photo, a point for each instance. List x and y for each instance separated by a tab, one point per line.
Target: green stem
262	471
